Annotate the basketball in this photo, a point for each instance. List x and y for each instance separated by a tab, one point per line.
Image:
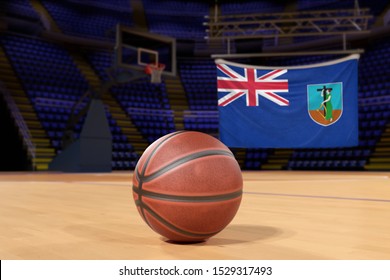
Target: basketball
187	186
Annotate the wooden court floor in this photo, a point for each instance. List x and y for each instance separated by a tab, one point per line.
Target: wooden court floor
283	215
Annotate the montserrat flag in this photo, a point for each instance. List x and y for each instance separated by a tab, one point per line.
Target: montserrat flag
310	106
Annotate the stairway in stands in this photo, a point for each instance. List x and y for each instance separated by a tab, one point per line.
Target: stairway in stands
278	159
44	152
380	158
41	10
240	154
116	111
177	100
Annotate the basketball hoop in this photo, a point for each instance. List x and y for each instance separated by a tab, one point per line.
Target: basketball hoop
155	72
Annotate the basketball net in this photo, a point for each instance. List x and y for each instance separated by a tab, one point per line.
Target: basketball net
155	72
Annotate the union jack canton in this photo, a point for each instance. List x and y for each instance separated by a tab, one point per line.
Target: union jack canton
251	84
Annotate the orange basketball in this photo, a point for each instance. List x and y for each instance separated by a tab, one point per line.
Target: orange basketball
187	186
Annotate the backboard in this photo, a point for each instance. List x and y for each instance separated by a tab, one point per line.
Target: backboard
135	49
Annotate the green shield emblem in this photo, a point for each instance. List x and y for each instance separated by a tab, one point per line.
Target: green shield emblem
325	102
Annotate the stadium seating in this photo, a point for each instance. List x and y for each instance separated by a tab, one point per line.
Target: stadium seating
324	4
251	7
93	21
255	158
376	7
53	82
54	93
147	104
20	9
185	19
115	5
198	77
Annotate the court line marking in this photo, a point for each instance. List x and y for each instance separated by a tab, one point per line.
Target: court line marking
69	182
322	180
254	193
321	197
102	183
112	174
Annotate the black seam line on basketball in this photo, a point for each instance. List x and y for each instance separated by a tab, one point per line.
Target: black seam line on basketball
144	169
171	226
184	160
192	199
156	148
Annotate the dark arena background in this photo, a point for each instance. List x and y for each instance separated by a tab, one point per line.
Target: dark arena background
80	103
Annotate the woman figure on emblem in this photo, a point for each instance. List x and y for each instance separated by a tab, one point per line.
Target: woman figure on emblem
327	104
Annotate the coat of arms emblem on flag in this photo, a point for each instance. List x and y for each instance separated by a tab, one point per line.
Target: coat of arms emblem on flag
325	103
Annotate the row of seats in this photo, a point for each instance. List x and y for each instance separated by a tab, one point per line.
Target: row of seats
201	120
255	158
183	27
330	154
19	9
178	19
198	77
332	164
115	5
251	7
53	93
123	164
32	67
174	8
376	7
92	21
139	100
